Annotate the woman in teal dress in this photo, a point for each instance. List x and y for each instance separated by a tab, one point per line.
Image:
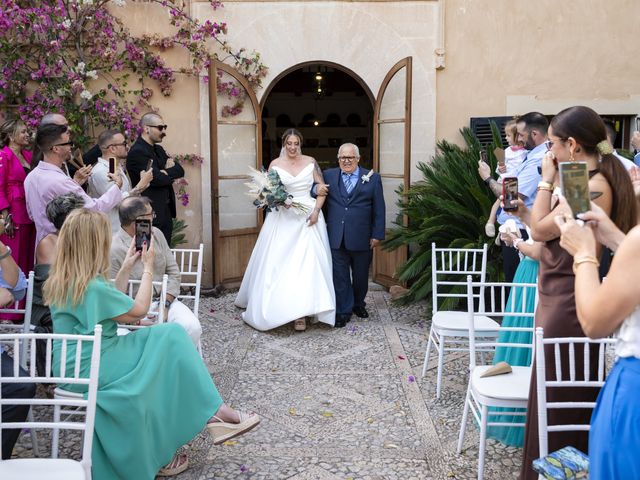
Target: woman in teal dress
154	392
527	272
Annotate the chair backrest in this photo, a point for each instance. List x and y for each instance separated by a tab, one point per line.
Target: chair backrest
450	268
504	299
569	380
189	261
84	422
159	312
25	326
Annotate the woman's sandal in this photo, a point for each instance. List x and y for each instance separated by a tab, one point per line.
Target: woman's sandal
300	325
178	464
222	431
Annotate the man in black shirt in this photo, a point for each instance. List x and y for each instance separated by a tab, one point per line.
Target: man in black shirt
145	149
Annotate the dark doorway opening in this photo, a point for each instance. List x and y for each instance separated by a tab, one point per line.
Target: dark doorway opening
328	104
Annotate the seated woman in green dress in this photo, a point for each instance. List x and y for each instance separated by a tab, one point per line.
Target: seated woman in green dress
154	392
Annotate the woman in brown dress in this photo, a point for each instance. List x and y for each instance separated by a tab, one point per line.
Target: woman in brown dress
575	134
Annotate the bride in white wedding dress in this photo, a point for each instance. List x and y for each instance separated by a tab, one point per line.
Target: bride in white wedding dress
289	276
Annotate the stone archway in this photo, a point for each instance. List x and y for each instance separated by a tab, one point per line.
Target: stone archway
327	102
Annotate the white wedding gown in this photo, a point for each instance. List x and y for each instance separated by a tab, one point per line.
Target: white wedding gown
289	275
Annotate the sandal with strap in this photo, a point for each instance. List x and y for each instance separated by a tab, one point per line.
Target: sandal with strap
222	431
178	464
300	325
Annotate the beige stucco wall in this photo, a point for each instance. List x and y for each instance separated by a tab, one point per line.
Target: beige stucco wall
507	57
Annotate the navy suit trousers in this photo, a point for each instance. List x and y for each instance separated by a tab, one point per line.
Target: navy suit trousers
348	266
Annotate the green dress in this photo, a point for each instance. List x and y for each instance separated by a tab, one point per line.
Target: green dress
154	392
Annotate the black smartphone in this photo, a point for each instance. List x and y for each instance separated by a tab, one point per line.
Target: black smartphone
143	233
483	156
150	163
574	182
112	165
510	194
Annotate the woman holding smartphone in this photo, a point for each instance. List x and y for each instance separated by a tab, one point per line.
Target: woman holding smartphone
154	392
575	134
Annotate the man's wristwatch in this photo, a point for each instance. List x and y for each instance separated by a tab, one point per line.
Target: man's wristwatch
167	303
487	181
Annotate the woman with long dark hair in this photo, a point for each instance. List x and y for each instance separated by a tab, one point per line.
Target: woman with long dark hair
575	134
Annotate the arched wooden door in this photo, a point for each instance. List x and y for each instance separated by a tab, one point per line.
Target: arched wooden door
392	158
235	146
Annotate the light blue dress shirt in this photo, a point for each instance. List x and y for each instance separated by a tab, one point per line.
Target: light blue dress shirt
528	179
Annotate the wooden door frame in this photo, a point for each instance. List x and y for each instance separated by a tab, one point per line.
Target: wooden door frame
213	152
408	64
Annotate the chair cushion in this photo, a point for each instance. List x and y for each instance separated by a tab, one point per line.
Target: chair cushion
510	386
566	463
39	468
460	321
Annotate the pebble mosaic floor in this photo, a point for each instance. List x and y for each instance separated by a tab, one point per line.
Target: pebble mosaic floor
336	404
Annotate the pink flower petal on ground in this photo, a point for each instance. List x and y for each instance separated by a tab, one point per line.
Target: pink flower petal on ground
243	468
411	379
402	357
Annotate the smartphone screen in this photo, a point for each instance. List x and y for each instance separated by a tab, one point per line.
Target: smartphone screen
483	156
150	163
510	193
574	182
112	165
143	233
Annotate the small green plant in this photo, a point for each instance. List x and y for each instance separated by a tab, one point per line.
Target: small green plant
177	234
449	206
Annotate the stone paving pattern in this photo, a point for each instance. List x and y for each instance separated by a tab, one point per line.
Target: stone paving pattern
335	403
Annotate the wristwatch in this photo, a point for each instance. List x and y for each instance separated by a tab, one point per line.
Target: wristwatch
167	303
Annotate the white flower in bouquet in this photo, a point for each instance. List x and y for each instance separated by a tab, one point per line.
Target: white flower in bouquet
267	191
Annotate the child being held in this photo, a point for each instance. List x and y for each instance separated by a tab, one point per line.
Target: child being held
514	155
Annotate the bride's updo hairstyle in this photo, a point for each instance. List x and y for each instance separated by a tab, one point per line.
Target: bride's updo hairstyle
292	132
588	130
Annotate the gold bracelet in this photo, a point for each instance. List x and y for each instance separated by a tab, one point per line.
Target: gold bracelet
586	259
147	271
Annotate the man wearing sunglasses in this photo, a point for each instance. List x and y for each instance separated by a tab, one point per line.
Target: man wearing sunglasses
146	152
48	181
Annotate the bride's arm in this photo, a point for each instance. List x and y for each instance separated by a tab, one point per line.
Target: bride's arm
318	179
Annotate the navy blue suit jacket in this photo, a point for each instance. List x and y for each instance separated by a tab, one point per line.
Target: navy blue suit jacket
354	218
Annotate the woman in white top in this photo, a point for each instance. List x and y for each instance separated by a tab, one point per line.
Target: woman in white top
605	309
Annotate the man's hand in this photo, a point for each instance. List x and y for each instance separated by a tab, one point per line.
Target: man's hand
483	170
634	173
635	140
373	243
82	174
116	178
6	298
146	176
502	168
322	189
170	163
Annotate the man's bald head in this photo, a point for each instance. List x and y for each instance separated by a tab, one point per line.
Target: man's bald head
150	119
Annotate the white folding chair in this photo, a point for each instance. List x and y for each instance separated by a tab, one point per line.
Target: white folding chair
24	327
503	391
51	468
158	313
566	381
189	261
449	329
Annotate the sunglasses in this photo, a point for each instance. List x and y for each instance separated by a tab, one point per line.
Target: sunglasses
159	127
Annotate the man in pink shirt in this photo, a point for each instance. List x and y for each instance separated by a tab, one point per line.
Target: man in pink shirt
48	181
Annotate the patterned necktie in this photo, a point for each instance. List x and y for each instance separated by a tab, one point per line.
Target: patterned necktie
348	182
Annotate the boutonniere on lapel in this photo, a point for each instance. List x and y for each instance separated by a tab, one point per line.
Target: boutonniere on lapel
367	177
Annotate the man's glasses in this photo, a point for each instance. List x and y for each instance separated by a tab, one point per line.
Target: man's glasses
159	127
347	159
65	144
548	144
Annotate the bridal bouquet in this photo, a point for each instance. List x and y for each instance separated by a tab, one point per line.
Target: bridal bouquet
267	191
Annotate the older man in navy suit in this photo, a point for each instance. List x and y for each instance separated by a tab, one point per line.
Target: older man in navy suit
355	223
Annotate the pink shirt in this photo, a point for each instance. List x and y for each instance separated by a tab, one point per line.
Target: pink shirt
46	182
12	176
